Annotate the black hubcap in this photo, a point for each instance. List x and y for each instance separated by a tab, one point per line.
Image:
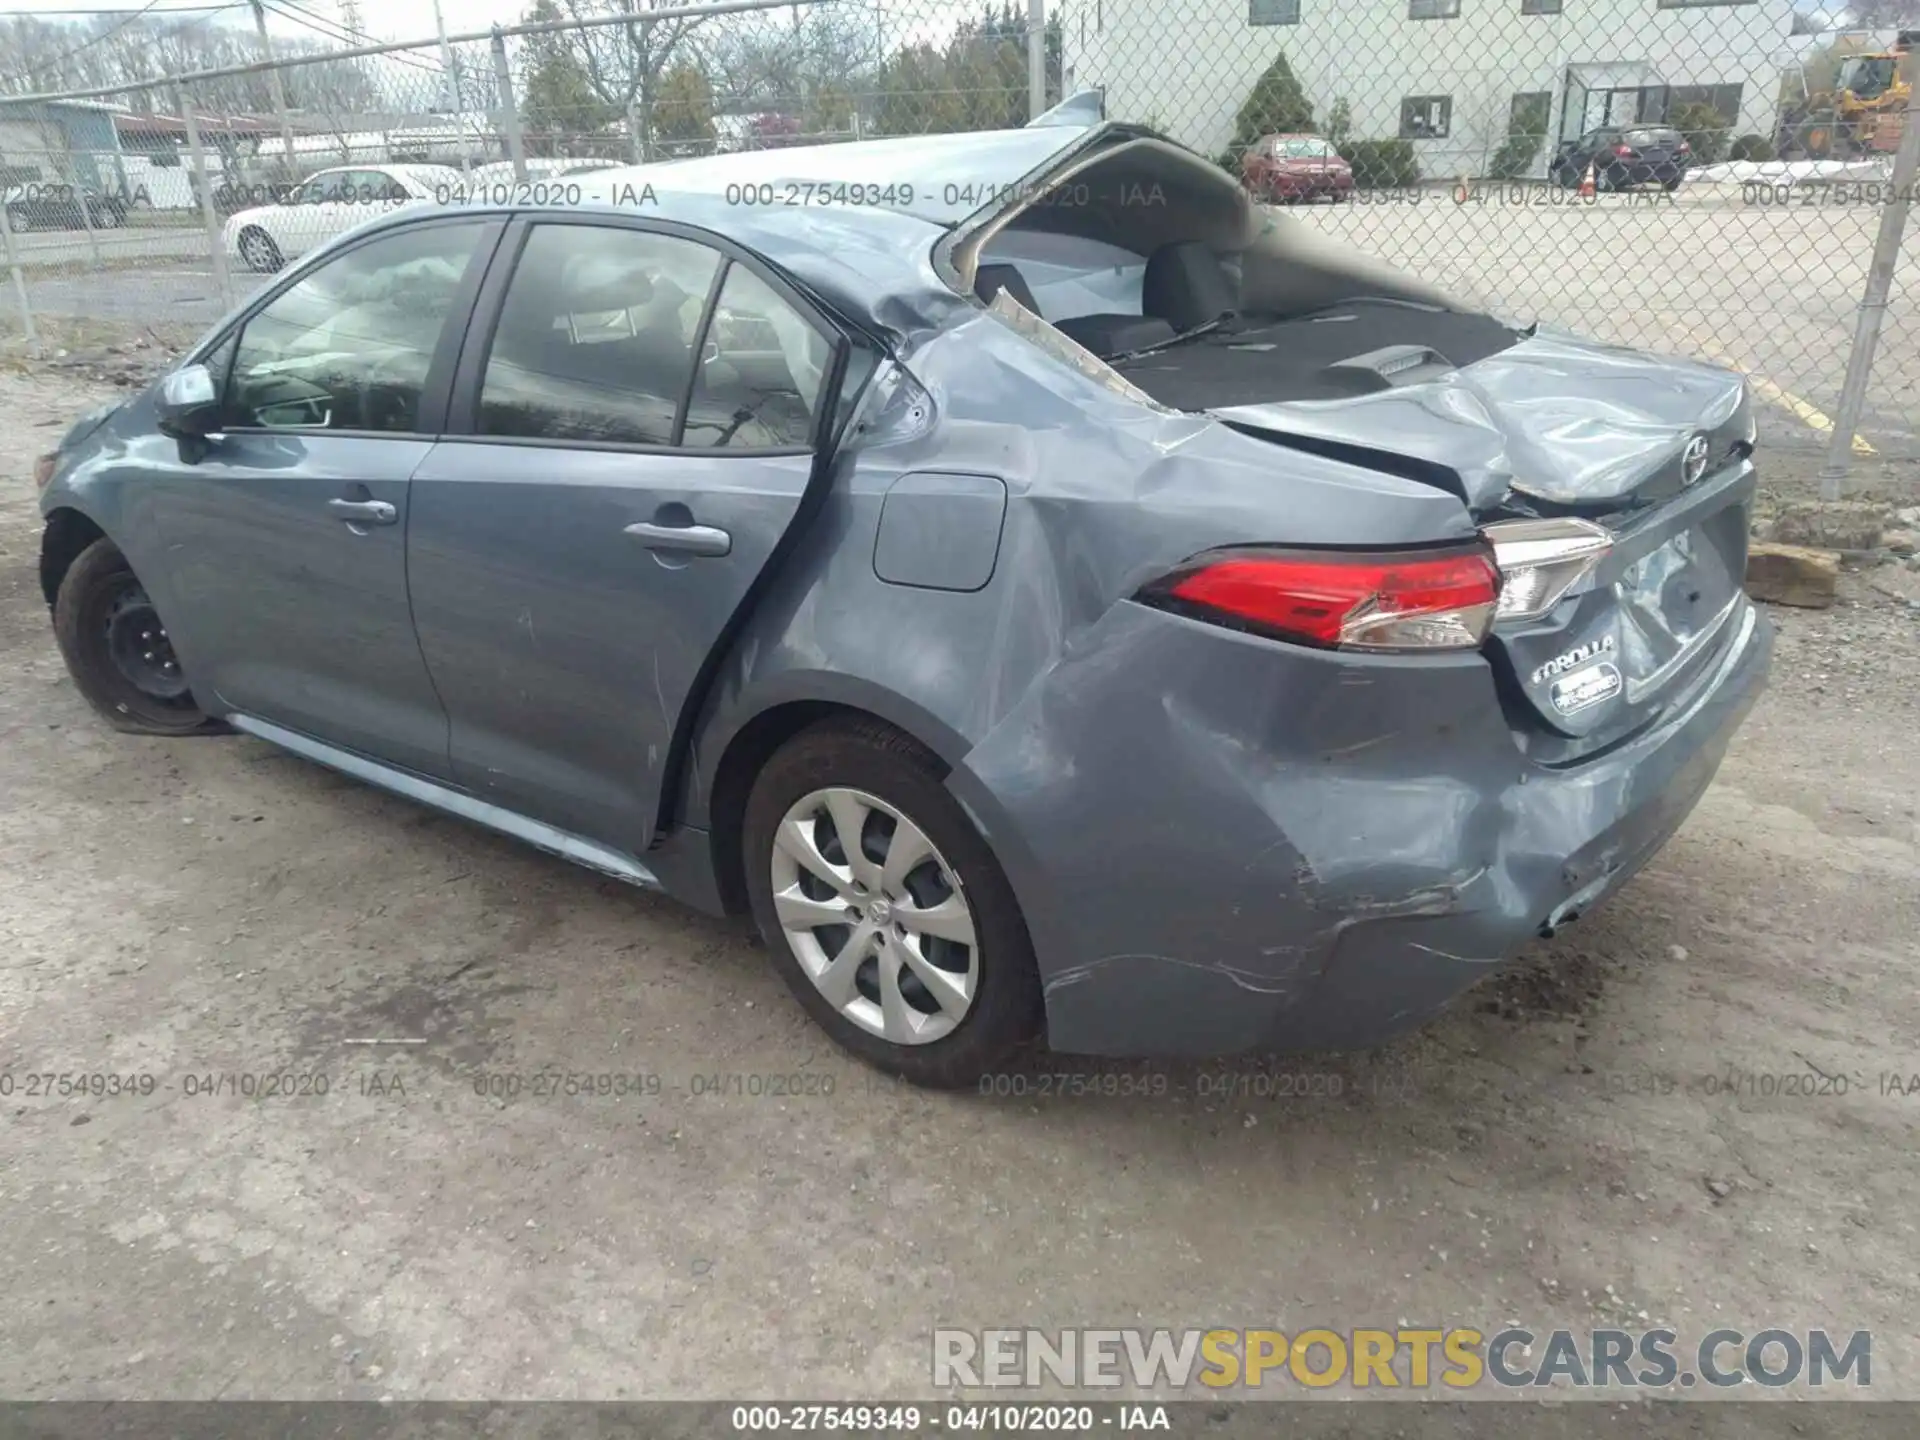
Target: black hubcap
141	651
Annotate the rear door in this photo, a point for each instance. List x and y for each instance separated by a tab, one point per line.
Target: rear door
633	432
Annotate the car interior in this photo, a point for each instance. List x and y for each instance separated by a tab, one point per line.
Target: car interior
1212	302
607	356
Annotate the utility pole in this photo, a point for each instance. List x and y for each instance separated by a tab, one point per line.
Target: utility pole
275	83
509	113
450	66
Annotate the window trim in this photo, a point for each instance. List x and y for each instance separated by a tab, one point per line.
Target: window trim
1406	100
432	415
1294	19
463	409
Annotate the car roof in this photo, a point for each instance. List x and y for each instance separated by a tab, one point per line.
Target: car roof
939	178
854	223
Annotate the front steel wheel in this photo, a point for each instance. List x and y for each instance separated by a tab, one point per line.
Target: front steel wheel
118	650
883	908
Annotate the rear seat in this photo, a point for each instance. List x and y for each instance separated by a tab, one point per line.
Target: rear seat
1185	287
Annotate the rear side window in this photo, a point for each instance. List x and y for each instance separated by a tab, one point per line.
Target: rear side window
348	346
761	370
596	338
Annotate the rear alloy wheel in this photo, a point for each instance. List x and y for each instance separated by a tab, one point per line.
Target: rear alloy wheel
884	910
259	251
118	650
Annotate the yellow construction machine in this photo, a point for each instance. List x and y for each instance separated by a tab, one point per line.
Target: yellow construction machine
1861	115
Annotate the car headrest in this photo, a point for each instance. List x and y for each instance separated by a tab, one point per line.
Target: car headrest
593	288
990	280
1187	286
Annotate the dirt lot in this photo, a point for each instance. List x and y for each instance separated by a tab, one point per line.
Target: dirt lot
1548	1154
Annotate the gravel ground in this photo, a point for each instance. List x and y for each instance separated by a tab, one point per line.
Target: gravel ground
1548	1153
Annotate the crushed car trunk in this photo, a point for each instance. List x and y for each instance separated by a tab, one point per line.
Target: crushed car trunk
1634	464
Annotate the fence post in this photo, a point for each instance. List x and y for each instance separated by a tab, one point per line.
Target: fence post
509	114
19	287
1873	303
276	87
203	182
78	187
1036	57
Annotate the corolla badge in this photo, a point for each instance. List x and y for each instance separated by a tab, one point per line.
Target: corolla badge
1693	462
1567	659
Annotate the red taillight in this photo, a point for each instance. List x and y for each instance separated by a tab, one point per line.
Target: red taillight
1408	601
1683	148
1623	151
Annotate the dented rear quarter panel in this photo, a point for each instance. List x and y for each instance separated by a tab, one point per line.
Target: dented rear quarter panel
1219	842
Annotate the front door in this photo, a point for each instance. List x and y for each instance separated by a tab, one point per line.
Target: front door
286	533
641	427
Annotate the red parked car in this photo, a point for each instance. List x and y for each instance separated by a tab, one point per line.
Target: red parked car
1285	168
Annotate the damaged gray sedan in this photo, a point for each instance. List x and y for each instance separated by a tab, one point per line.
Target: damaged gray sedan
1053	595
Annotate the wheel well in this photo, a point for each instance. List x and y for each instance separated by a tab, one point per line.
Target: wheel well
68	532
746	754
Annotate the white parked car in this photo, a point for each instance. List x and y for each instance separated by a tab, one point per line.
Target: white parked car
495	182
268	234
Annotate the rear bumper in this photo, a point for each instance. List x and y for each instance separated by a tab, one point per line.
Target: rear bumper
1272	848
1642	172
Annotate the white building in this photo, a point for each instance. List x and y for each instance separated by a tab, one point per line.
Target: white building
1447	75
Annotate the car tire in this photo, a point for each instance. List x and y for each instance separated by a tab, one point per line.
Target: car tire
1670	185
111	637
258	250
871	774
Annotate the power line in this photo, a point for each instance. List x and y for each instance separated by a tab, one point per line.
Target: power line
333	30
29	76
121	10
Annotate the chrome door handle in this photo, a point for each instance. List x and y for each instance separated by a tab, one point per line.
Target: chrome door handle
363	512
687	539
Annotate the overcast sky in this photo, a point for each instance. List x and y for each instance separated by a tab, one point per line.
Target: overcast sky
311	19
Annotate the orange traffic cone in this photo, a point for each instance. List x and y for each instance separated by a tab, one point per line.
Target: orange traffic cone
1587	187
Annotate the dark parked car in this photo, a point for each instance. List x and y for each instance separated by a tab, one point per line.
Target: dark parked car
1623	157
40	205
1153	625
1285	168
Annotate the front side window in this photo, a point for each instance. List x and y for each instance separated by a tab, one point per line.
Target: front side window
348	346
596	340
371	187
761	370
322	189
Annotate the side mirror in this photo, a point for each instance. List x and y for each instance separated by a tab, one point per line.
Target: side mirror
189	405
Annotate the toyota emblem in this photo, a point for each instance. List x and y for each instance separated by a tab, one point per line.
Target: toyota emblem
1693	464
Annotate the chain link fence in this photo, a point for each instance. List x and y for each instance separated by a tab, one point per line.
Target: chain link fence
1701	178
